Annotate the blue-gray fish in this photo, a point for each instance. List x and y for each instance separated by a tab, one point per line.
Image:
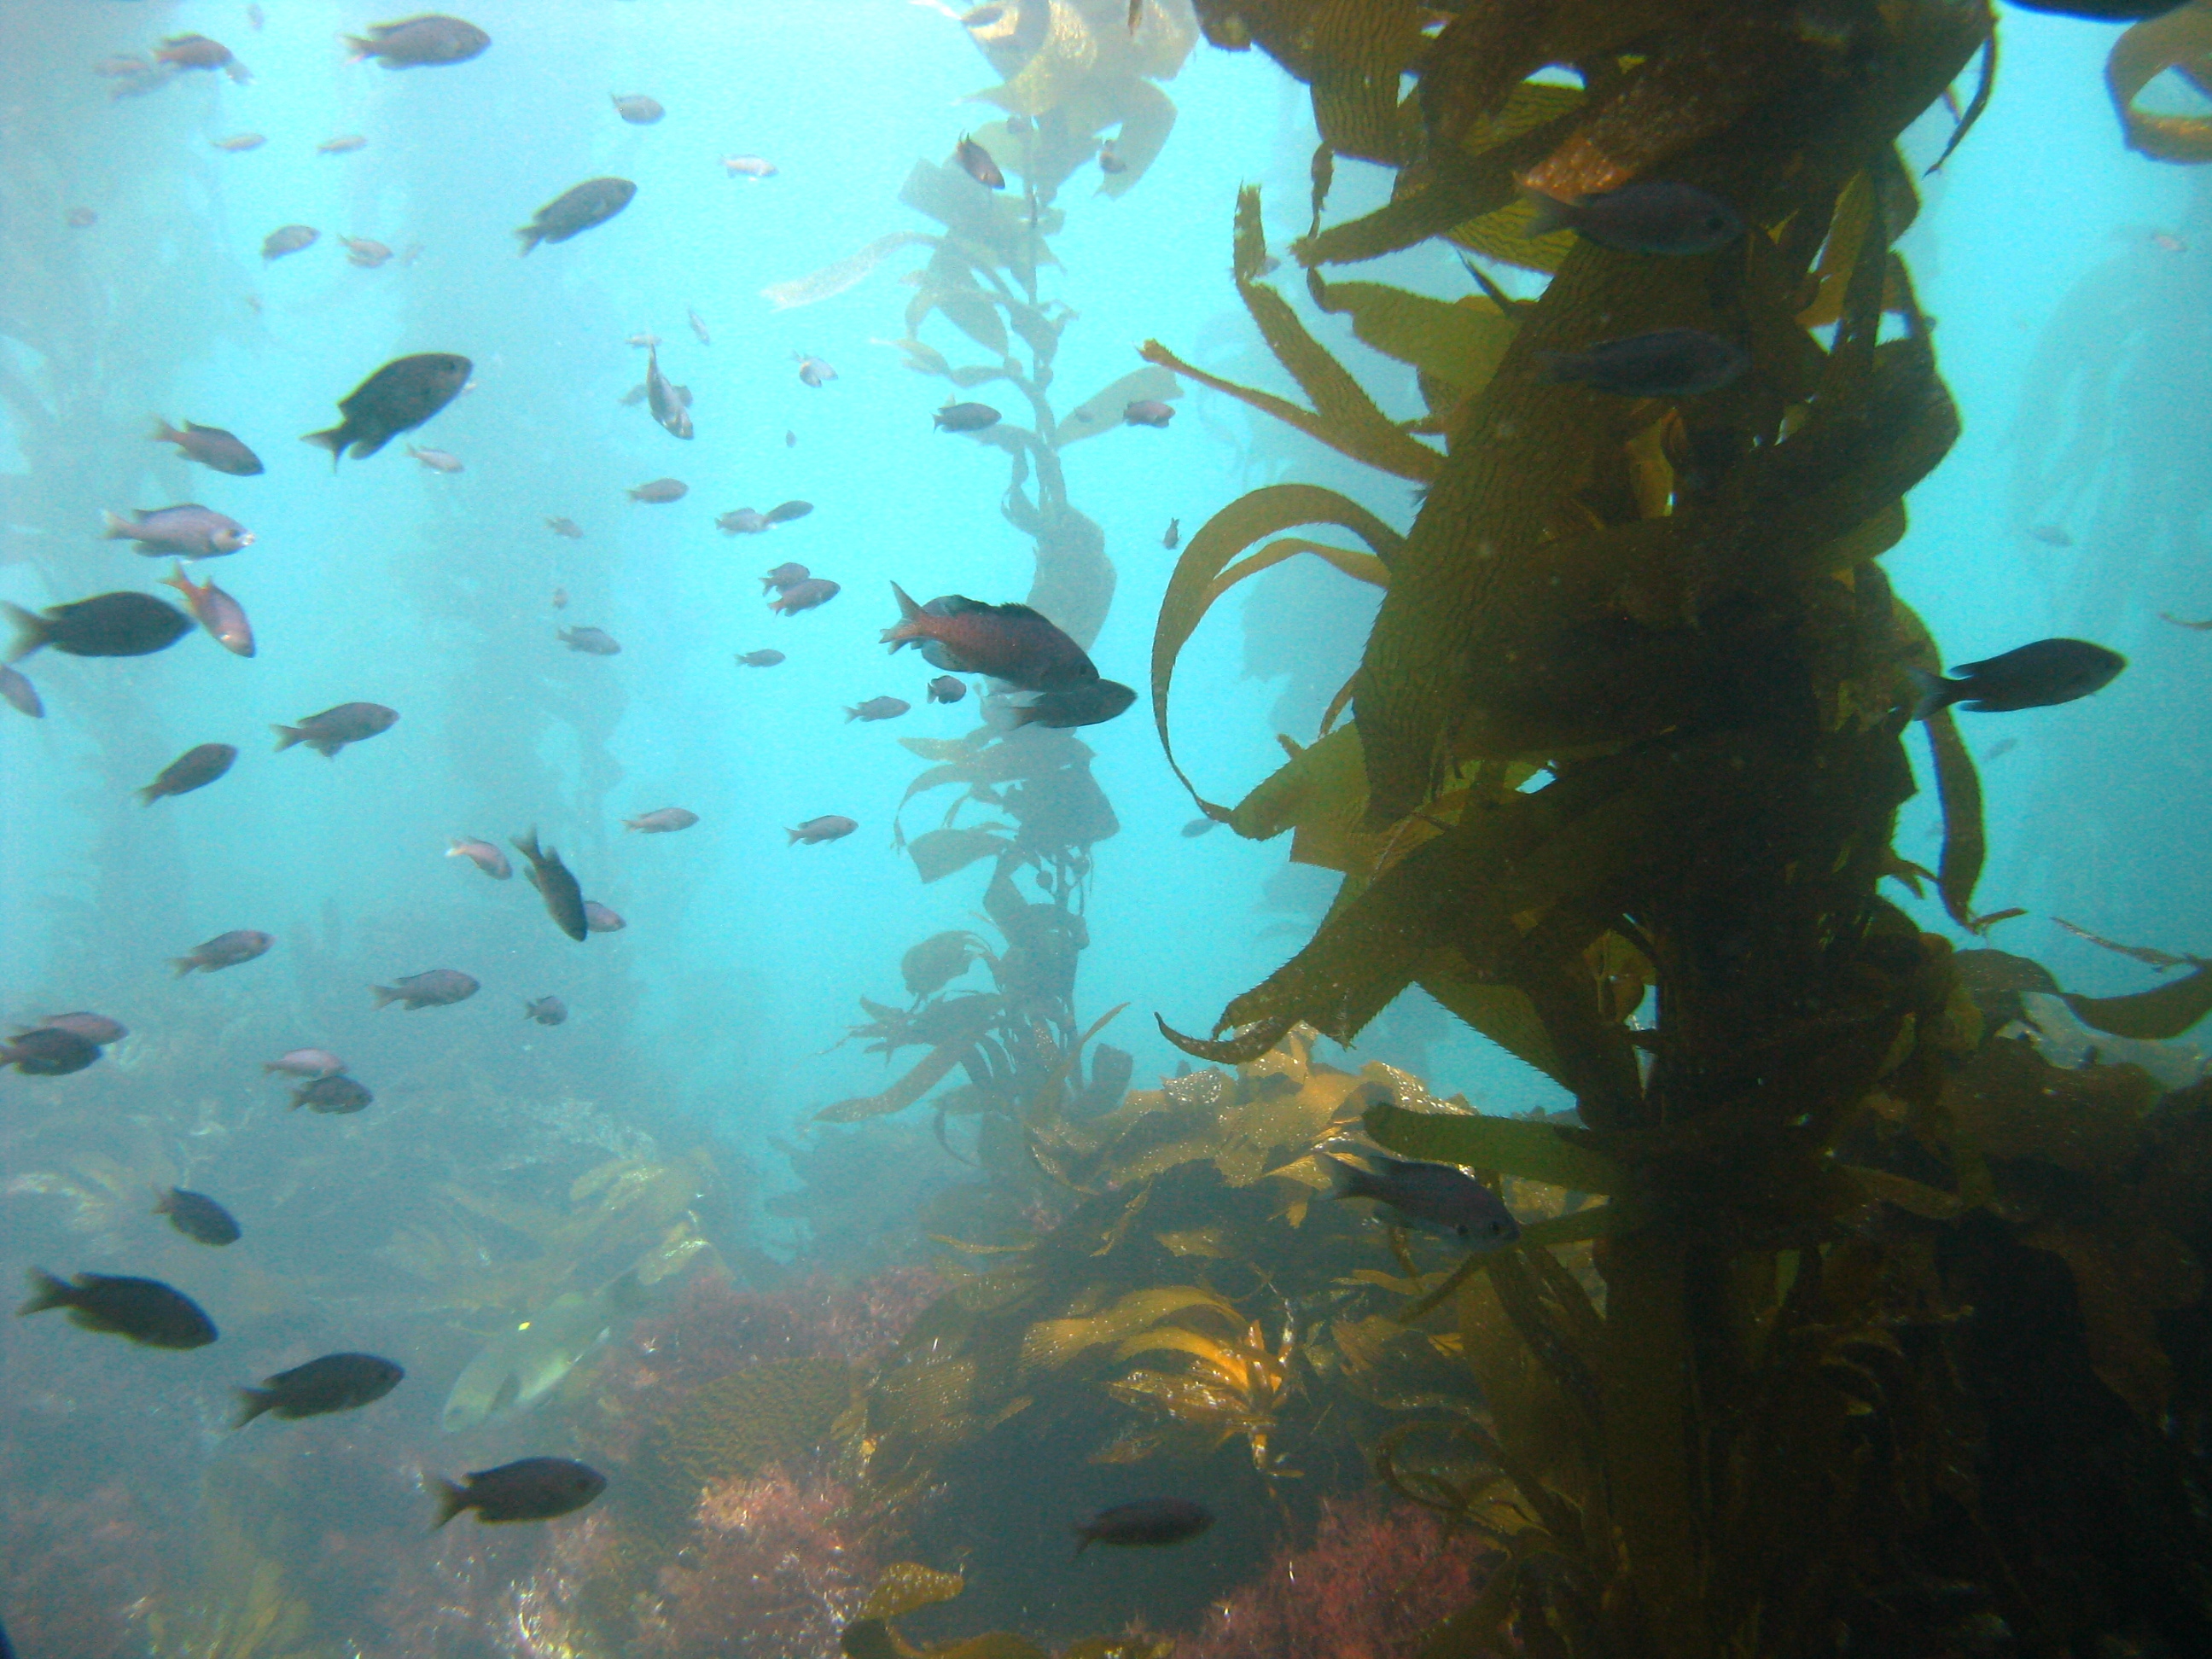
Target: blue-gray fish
421	41
576	211
197	1216
1436	1195
336	1382
1652	216
2038	676
535	1489
145	1310
1668	362
438	988
1149	1522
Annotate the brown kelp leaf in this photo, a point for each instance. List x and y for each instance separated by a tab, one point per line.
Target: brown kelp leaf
1502	235
2182	39
1958	792
1321	794
2158	959
992	1645
2124	1278
908	1586
1359	50
848	272
1053	1342
933	1069
1510	1145
1503	1013
1459	341
1101	411
938	853
1195	585
2153	1016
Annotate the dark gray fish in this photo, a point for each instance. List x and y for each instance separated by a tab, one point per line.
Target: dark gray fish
804	596
1149	1524
598	919
23	697
877	709
814	831
122	624
565	527
742	521
334	728
785	575
422	41
659	491
785	512
760	659
333	1095
1109	159
663	821
535	1489
438	988
198	51
1085	703
1651	215
145	1310
222	616
336	1382
48	1051
1437	1194
211	446
1668	362
287	239
546	1011
975	162
1147	412
93	1028
673	413
195	769
965	417
198	1217
576	211
1198	827
592	641
1173	539
564	899
637	109
224	950
188	530
945	689
2038	676
398	398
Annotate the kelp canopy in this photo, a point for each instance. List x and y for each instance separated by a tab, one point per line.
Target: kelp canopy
1627	739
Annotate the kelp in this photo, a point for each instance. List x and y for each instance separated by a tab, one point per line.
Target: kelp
908	1586
2180	41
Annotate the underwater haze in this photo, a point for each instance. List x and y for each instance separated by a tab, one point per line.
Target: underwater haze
864	1209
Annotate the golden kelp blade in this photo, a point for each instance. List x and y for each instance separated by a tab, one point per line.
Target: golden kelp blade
847	272
2181	40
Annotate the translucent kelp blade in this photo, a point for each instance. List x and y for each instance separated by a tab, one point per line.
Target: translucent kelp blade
1957	785
1459	341
908	1586
1508	1145
1192	588
2156	958
1983	89
1147	117
1324	786
1102	409
2153	1016
937	854
1052	1342
2179	40
846	273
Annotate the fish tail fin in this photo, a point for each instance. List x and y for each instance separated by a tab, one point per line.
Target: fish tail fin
1931	692
852	714
530	236
115	527
163	433
331	438
1547	214
31	632
164	1199
178	580
358	50
251	1402
526	844
1082	1543
299	1095
793	834
1345	1180
148	794
184	965
452	1500
47	1291
386	995
287	736
909	626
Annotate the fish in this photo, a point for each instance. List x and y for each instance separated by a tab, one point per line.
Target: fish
97	1028
662	821
661	490
1668	362
742	521
560	600
592	641
80	218
575	210
2040	675
238	143
197	51
1081	702
598	919
2051	536
305	1062
398	398
418	42
920	358
1147	412
698	326
335	727
522	1366
144	1311
750	167
564	899
198	1217
672	412
815	831
195	769
123	625
535	1489
335	1383
1009	642
48	1051
115	67
965	417
812	371
760	659
1173	539
1198	827
1149	1522
224	950
785	512
637	109
437	460
434	987
808	595
546	1011
222	616
187	530
975	162
1109	159
288	239
791	440
1651	215
568	527
334	1095
22	696
344	144
255	16
362	252
945	689
878	709
482	853
1439	1195
643	342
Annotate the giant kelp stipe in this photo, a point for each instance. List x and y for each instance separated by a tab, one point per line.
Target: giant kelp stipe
1701	1152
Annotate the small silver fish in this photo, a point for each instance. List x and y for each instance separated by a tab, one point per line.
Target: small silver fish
239	143
360	252
637	109
344	144
437	460
699	327
749	167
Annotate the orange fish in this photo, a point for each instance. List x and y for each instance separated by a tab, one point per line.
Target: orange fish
1009	642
